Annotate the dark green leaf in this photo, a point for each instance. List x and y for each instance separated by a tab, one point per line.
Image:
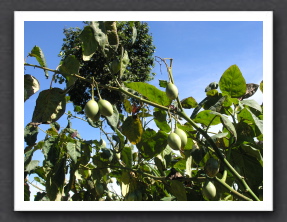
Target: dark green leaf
189	103
39	55
151	92
26	192
160	120
50	106
124	62
32	165
73	150
205	117
127	156
31	86
113	120
253	152
69	66
30	134
132	129
232	82
99	33
89	43
152	143
258	122
178	190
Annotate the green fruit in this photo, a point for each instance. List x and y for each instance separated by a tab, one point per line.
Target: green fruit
91	109
171	91
174	141
182	135
209	190
211	167
105	107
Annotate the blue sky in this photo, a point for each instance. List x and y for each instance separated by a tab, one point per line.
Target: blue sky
201	52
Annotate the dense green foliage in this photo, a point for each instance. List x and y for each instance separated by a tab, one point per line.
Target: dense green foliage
193	164
137	42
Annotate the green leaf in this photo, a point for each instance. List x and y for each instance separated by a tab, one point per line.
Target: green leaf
50	106
253	152
151	92
134	34
73	150
112	34
113	120
32	165
26	192
100	34
124	61
205	117
119	138
251	103
178	190
30	134
227	124
152	143
132	129
89	43
188	163
261	86
127	156
128	106
163	83
160	120
31	86
168	198
212	92
249	167
232	82
70	65
257	121
189	103
39	55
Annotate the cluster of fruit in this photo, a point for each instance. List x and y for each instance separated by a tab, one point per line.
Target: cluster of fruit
94	109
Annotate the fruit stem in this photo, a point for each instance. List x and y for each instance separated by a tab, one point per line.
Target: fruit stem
94	82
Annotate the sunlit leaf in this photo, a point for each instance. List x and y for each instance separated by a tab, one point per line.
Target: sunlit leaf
232	82
31	86
150	92
188	103
132	129
206	117
89	44
70	65
39	55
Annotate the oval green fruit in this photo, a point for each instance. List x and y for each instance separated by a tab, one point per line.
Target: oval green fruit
211	167
91	109
105	107
171	91
174	141
182	135
209	190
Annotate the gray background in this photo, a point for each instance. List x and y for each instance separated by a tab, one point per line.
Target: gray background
7	8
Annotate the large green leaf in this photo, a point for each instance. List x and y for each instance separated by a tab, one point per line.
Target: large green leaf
206	117
73	150
112	34
31	86
127	156
152	143
232	82
32	165
258	122
70	65
132	129
178	190
89	43
50	106
150	92
188	103
124	61
160	120
39	55
27	192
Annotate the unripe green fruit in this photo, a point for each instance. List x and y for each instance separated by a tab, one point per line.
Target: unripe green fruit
105	107
91	109
171	91
209	190
174	141
211	167
182	135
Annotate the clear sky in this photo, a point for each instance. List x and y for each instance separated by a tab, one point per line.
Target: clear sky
201	52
